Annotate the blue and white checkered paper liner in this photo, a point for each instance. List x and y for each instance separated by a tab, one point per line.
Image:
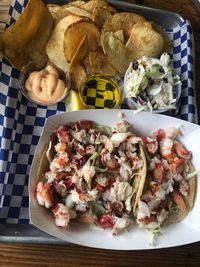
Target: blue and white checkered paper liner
21	122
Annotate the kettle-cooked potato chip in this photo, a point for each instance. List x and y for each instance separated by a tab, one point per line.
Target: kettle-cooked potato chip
123	21
74	3
78	11
76	71
78	76
120	35
97	63
63	10
100	16
25	40
54	10
144	41
90	5
74	34
55	48
80	53
116	52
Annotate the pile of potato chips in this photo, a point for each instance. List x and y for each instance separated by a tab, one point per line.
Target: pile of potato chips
87	38
92	37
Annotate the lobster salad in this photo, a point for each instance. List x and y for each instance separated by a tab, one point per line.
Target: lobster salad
169	191
110	177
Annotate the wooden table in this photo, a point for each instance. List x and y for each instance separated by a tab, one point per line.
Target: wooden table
51	255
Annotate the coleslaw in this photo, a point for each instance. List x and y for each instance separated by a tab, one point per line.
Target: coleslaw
150	84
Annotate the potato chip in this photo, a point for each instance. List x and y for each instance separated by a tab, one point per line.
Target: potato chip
89	6
116	52
97	63
100	16
74	3
63	10
123	21
54	48
54	10
78	76
144	41
167	41
119	35
25	40
78	11
74	34
75	68
80	53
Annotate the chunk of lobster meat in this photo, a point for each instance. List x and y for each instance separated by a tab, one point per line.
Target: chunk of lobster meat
159	134
147	220
117	207
79	149
120	225
158	173
148	195
60	176
106	142
109	161
183	187
178	199
44	194
169	132
101	183
112	164
154	187
90	150
61	214
78	160
172	132
166	149
176	166
151	145
62	187
86	125
122	127
131	142
60	147
105	221
181	151
59	162
63	135
79	136
102	187
88	172
118	138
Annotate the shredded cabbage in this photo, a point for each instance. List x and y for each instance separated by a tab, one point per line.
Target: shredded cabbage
150	84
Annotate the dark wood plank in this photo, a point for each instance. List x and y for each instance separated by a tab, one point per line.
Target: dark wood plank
51	255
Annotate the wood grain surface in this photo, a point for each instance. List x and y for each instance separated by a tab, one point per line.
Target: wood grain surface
51	255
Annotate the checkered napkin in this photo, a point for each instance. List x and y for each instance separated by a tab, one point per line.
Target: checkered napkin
21	122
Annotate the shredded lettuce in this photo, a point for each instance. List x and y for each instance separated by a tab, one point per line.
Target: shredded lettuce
173	207
104	130
92	159
154	234
128	203
191	174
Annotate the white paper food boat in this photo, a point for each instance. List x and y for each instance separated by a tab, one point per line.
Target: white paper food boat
144	123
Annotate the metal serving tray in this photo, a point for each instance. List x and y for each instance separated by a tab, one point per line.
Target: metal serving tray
27	233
